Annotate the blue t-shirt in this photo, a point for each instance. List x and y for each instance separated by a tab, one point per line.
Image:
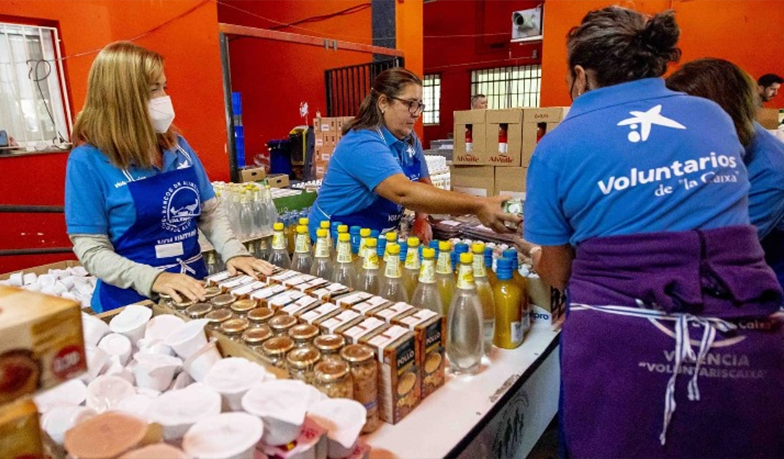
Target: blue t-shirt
635	158
362	159
97	200
764	160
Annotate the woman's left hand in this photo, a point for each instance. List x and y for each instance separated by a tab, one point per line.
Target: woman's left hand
248	265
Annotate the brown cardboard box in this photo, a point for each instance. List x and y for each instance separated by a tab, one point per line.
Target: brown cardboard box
768	118
536	123
253	174
510	181
342	122
429	329
474	153
278	181
20	433
547	304
324	154
399	388
512	120
473	180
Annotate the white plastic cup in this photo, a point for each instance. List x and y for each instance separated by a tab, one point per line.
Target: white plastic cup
69	393
17	279
155	371
106	392
97	360
29	278
178	410
159	327
94	329
227	435
131	322
117	345
67	281
188	339
60	419
199	364
46	280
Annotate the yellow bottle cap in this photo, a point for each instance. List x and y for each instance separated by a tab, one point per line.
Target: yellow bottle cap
428	253
302	229
342	228
393	249
444	246
413	242
321	232
478	248
324	224
391	236
371	242
466	258
278	226
304	221
344	237
364	232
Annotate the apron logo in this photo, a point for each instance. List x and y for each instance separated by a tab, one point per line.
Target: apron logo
181	204
645	120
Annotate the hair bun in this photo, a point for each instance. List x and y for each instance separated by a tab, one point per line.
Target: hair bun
661	34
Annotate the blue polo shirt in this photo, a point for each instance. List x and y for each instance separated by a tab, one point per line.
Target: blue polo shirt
362	159
635	158
97	200
764	160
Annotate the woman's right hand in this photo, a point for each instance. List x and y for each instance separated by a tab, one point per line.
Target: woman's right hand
492	216
179	285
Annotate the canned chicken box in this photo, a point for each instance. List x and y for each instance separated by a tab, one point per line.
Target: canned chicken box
363	329
399	389
429	329
283	299
320	313
301	306
340	322
371	306
265	294
346	302
397	310
331	291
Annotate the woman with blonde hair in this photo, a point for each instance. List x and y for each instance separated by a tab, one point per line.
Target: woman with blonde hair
136	193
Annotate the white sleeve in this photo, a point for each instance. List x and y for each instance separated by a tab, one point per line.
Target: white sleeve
214	223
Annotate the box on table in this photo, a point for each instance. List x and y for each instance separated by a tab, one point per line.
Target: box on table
337	323
20	432
536	123
324	154
497	152
510	181
42	342
469	124
278	181
399	388
429	330
473	180
547	304
768	118
341	122
253	174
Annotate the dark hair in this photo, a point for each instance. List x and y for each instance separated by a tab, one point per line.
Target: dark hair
476	97
768	79
391	82
724	83
622	45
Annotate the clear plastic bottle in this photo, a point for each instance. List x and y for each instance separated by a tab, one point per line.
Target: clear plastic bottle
520	280
325	226
412	264
263	249
344	272
460	247
392	287
485	293
368	277
364	234
426	293
509	331
465	343
246	216
322	265
303	259
354	232
272	211
291	230
280	251
390	238
334	233
445	278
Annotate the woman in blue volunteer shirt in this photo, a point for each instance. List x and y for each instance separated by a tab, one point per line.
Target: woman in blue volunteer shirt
136	194
736	92
639	203
378	168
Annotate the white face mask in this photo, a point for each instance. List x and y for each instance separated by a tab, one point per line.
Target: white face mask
162	113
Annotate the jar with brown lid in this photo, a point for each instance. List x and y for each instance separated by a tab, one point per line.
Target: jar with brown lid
364	372
233	328
242	307
258	316
216	317
301	362
222	301
330	346
165	299
334	379
281	324
255	337
198	310
303	334
276	348
211	292
184	303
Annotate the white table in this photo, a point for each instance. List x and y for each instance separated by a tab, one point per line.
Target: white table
499	413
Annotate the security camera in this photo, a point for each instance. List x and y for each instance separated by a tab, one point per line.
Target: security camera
527	24
523	19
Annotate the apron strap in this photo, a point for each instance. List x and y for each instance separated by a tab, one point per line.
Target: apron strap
185	153
184	268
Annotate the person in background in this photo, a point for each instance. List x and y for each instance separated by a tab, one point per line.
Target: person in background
648	230
136	192
478	102
735	91
768	86
378	167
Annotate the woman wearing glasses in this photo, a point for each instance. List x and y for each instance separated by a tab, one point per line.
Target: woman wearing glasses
378	168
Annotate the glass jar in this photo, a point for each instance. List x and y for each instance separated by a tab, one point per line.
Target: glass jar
222	301
301	362
242	307
303	334
330	346
281	324
198	310
183	304
259	316
165	299
233	328
216	317
334	379
255	337
211	292
276	348
364	372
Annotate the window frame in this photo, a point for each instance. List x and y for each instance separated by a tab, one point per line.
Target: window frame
432	105
509	86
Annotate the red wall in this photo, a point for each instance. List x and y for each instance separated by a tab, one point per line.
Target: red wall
471	45
190	46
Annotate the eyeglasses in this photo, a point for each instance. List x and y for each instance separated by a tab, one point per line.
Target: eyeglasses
414	106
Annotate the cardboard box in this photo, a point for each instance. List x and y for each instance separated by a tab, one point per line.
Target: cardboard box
536	123
469	122
473	180
322	312
336	324
324	153
547	304
43	269
366	328
768	118
20	433
370	307
510	181
253	174
397	310
346	302
278	181
399	388
42	343
429	330
499	154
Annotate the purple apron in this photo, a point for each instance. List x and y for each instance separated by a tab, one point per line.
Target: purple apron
673	347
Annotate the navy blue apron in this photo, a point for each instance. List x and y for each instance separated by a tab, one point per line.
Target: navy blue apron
382	214
165	234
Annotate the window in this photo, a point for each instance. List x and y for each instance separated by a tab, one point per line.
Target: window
431	95
33	101
508	87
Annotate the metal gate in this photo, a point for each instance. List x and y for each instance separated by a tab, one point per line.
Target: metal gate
347	86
